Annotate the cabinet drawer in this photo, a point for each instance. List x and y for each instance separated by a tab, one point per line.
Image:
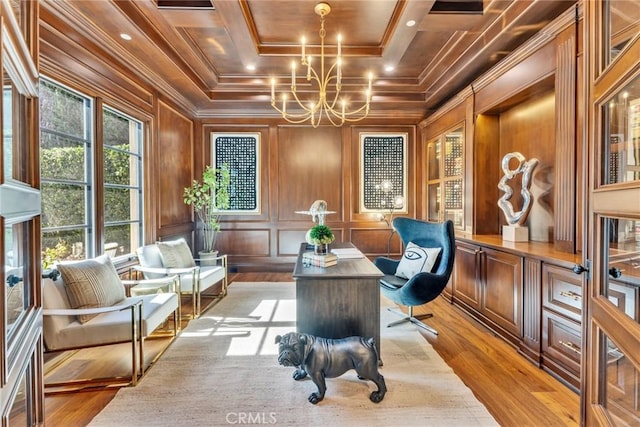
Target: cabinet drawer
562	291
561	341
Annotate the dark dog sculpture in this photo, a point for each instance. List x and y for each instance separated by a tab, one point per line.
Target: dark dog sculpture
322	358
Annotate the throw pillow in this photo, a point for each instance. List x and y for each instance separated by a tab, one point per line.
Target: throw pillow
176	254
92	283
416	260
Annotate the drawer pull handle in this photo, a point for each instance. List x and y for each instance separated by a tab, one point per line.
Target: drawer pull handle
571	346
572	295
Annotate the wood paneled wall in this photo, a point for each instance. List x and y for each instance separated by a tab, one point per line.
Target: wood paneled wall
299	165
173	167
529	128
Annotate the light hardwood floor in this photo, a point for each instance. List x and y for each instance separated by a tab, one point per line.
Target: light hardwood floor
515	391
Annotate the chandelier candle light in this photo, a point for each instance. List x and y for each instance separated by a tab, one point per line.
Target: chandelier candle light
313	110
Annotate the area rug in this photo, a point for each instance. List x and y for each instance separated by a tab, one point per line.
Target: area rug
223	370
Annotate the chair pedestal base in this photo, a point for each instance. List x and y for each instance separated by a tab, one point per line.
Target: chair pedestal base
416	320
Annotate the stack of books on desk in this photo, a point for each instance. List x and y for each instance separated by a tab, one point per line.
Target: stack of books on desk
347	253
309	258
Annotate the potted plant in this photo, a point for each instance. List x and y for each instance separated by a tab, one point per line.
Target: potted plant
320	236
209	198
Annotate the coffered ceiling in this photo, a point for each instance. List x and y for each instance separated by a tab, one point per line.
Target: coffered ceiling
216	57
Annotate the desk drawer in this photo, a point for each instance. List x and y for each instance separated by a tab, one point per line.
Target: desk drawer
562	291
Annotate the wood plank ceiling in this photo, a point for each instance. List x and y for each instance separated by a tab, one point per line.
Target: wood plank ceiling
198	51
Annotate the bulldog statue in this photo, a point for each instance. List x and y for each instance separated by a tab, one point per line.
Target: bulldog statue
321	358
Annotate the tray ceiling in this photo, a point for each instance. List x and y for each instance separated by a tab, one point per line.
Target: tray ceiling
198	52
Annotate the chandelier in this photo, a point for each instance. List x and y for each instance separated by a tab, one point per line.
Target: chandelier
312	110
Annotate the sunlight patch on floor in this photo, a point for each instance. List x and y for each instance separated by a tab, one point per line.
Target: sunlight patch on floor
254	334
275	310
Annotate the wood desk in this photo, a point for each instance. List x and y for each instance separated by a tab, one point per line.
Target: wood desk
338	301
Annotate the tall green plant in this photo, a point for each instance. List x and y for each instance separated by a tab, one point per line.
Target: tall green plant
209	198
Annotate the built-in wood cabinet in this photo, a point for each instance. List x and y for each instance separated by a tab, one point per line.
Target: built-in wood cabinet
502	291
466	275
528	295
526	292
561	323
489	283
445	181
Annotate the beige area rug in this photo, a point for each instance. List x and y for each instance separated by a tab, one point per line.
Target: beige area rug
223	370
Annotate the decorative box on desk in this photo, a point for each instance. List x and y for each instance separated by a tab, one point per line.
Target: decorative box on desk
340	301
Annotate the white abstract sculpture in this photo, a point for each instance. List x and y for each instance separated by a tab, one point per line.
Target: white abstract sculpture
515	231
318	211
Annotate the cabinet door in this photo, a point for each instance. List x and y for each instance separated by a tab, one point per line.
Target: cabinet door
453	177
445	177
466	280
502	290
21	396
611	356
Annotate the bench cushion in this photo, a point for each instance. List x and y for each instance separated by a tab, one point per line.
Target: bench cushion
209	276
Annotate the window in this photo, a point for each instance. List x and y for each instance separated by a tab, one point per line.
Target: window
122	165
77	192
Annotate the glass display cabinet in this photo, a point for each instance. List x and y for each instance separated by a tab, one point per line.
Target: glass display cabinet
610	356
21	402
445	177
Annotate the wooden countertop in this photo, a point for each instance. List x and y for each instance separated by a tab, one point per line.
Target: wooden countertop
539	250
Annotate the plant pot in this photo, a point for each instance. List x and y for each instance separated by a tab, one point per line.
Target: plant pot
321	249
208	259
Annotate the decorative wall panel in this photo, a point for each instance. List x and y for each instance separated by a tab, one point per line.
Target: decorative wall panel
383	171
241	151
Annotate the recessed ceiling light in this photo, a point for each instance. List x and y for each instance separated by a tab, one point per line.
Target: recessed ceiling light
125	36
251	67
389	68
411	23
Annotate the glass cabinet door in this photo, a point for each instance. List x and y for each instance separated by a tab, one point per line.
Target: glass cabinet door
453	153
453	184
433	194
445	180
620	24
610	355
622	126
20	307
620	281
433	159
